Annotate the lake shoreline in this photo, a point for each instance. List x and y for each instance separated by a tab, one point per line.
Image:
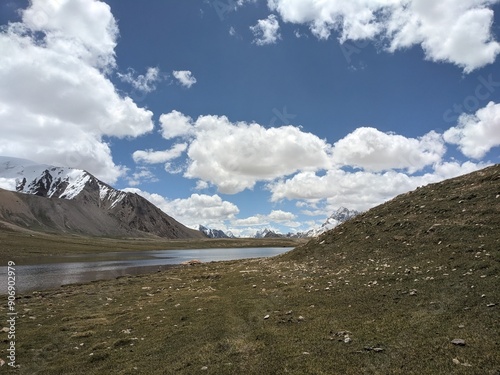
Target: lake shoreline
84	268
21	247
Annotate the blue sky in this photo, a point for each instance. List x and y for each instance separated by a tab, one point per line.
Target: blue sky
241	115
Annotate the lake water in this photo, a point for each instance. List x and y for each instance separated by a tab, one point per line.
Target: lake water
72	269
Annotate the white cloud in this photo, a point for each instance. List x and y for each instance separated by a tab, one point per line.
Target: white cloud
83	29
452	31
8	183
360	190
251	221
275	216
476	134
373	150
155	157
232	31
266	31
175	124
234	156
185	77
56	102
279	216
143	82
197	209
140	176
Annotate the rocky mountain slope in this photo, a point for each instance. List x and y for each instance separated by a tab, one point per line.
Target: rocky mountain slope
69	200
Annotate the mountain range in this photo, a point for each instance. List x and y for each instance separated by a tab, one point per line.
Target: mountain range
340	216
215	233
58	199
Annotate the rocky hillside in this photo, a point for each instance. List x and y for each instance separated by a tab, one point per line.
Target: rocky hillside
69	200
457	215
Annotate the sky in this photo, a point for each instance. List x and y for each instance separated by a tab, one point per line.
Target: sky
242	115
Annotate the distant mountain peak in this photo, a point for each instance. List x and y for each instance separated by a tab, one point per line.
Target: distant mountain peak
342	214
214	233
127	212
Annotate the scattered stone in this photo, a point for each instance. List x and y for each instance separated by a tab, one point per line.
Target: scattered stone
289	312
378	350
491	304
2	362
347	339
456	361
204	368
306	353
266	317
413	292
458	342
126	331
301	318
192	262
5	329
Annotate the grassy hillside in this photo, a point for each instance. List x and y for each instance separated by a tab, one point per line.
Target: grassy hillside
385	293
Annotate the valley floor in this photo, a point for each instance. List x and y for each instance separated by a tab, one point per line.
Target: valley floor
266	316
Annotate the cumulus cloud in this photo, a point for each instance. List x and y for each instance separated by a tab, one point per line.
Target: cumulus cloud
373	150
140	176
452	31
476	134
155	157
142	82
279	215
274	217
195	210
185	77
57	110
175	124
266	31
361	190
8	183
234	156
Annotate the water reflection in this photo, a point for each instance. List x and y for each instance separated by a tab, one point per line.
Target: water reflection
85	268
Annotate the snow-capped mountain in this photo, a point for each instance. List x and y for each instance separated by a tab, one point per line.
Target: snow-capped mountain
338	217
56	182
214	233
120	213
267	233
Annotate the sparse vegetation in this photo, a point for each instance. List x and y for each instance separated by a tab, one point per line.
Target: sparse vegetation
385	293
